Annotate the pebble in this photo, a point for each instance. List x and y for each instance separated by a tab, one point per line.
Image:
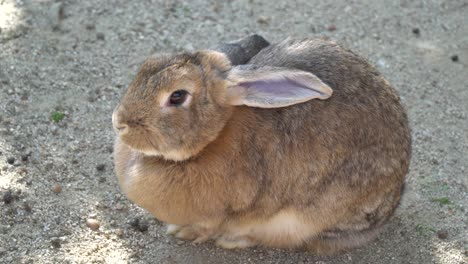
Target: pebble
4	229
27	207
382	63
454	58
262	20
56	14
134	222
56	242
7	197
331	28
100	167
57	188
100	36
93	224
442	234
140	225
90	27
24	157
416	31
11	160
119	232
22	171
143	226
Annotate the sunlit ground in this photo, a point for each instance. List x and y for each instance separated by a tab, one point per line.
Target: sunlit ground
9	15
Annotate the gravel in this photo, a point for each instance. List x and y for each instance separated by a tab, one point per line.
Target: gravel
77	57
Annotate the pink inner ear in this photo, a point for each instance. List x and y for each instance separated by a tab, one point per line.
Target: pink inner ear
279	88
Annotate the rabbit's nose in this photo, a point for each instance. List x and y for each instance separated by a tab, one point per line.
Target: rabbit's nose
120	127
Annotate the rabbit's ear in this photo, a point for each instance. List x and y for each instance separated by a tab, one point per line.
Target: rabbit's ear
271	87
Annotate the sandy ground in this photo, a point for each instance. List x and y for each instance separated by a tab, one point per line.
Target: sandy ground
77	57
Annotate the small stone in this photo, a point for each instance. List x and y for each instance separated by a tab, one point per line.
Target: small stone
442	234
56	243
4	229
2	251
119	232
143	226
331	28
416	31
134	222
100	36
57	188
56	14
93	224
110	149
100	167
90	27
454	58
22	171
24	157
262	20
382	63
27	207
180	242
11	160
7	197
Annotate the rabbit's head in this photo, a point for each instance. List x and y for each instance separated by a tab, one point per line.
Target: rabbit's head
178	104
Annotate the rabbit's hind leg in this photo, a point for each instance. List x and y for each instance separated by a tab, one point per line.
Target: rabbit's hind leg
190	232
331	243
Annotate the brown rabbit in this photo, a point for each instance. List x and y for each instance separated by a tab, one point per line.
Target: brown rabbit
243	155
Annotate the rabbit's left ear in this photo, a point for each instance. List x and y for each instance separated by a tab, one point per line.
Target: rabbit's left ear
271	87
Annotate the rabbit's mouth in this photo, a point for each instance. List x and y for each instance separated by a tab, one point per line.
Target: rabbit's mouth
174	155
150	152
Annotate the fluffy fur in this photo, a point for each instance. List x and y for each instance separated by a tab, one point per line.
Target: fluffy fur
323	175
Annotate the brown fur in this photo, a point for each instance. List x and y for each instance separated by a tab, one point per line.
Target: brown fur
334	168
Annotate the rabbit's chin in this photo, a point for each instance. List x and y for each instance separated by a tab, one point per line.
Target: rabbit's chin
173	155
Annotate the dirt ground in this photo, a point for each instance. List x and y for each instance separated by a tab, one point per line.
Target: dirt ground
64	65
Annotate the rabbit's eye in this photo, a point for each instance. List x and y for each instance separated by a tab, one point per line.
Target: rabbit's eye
178	97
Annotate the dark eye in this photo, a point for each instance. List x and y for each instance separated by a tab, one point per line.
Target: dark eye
178	97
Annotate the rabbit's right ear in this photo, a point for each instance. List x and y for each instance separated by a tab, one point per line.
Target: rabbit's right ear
272	87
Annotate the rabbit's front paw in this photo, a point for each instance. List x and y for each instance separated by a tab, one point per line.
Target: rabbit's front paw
230	242
189	232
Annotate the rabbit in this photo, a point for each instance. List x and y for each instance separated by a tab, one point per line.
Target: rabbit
304	147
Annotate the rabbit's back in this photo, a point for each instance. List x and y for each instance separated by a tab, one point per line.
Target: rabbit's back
364	109
350	151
